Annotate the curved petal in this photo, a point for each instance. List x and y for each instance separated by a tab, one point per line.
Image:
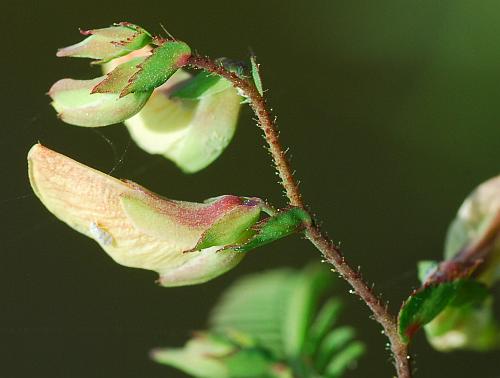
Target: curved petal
164	121
136	227
191	133
77	105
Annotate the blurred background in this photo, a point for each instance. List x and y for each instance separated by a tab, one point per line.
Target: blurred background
391	112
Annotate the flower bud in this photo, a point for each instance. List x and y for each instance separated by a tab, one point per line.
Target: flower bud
123	91
108	43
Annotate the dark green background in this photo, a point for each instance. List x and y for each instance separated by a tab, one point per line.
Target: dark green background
391	111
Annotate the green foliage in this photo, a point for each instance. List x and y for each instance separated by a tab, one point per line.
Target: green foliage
273	324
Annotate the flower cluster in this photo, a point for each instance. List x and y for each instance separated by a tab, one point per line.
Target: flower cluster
188	119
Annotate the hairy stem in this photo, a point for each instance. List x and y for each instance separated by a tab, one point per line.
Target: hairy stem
330	251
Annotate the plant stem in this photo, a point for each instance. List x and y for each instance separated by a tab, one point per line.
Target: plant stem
329	250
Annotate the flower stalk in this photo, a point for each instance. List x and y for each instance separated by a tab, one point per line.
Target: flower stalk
313	233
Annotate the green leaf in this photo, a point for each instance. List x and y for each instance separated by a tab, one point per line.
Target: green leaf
108	43
256	75
344	359
323	323
284	223
270	317
307	290
202	85
209	355
77	105
164	61
257	305
200	357
275	308
248	363
425	304
332	343
469	292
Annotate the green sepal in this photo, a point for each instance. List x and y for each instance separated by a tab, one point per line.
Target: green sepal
256	75
108	43
164	61
119	78
427	303
233	228
202	85
284	223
